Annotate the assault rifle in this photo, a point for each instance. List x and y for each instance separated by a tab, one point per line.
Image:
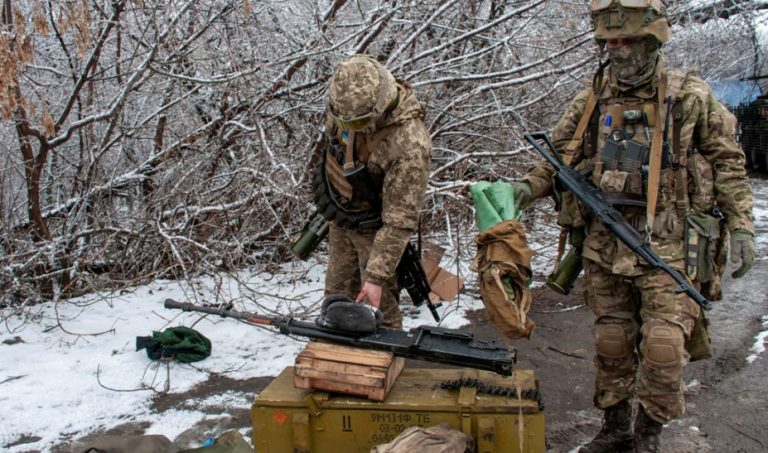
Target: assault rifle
411	276
593	198
432	344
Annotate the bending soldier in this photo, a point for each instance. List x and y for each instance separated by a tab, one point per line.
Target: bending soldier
371	181
662	148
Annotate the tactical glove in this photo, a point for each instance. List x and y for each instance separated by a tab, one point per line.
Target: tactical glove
742	248
522	192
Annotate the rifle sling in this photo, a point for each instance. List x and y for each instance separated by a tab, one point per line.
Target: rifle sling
578	135
680	158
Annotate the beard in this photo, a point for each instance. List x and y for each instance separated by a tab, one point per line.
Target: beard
633	64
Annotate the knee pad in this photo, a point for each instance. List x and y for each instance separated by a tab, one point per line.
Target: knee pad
612	341
663	343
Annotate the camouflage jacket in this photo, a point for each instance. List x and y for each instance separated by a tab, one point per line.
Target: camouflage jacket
397	155
712	161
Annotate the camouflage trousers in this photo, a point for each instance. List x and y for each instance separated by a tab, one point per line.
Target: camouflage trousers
640	330
349	250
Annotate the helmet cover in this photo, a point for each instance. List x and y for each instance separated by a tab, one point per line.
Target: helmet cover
620	19
360	89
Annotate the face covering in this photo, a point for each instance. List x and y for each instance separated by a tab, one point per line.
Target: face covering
634	63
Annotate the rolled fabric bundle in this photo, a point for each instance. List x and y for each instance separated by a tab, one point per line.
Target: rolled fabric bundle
503	263
487	216
502	197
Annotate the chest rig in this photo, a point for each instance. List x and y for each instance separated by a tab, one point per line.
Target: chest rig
343	189
625	144
634	151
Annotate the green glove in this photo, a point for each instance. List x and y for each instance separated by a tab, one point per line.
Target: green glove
522	192
742	248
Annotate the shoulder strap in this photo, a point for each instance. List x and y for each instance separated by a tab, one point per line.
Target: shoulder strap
578	135
670	85
679	159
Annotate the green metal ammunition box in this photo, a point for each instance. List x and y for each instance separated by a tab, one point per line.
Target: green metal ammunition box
287	419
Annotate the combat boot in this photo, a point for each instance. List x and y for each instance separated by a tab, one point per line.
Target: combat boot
616	434
647	433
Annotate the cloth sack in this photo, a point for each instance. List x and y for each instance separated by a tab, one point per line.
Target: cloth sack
436	439
228	442
150	443
503	262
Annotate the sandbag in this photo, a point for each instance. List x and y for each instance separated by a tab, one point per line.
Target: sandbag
150	443
436	439
503	262
227	442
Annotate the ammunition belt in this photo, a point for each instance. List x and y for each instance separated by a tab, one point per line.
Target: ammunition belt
509	392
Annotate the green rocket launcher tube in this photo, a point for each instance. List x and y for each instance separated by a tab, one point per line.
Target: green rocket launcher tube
569	268
313	233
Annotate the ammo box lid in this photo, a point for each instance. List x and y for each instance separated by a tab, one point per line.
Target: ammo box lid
418	389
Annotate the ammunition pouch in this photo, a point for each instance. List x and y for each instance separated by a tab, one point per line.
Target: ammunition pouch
705	252
329	204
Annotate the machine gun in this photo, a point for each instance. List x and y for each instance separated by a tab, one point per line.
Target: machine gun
594	199
432	344
411	276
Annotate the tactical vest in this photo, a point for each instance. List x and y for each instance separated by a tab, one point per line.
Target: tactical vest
343	189
615	137
335	197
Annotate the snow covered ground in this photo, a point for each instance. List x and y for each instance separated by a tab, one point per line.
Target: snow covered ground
75	369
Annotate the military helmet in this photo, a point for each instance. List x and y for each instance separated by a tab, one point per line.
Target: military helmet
619	19
361	89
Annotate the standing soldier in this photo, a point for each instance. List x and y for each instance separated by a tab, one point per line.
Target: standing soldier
662	148
371	181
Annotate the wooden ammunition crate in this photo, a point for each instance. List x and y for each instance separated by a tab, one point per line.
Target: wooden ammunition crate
289	419
348	370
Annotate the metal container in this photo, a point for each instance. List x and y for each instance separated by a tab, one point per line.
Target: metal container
287	419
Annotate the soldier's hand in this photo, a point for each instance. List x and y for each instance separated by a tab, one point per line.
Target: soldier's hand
742	248
372	292
522	192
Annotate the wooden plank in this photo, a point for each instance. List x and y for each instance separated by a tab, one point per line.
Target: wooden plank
347	354
348	389
336	376
341	368
394	372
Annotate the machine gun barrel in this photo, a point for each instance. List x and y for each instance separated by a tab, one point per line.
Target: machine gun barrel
593	198
432	344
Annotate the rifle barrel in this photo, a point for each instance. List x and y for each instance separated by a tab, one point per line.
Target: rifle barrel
249	317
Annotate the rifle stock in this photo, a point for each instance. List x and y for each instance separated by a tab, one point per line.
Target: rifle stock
593	198
429	343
